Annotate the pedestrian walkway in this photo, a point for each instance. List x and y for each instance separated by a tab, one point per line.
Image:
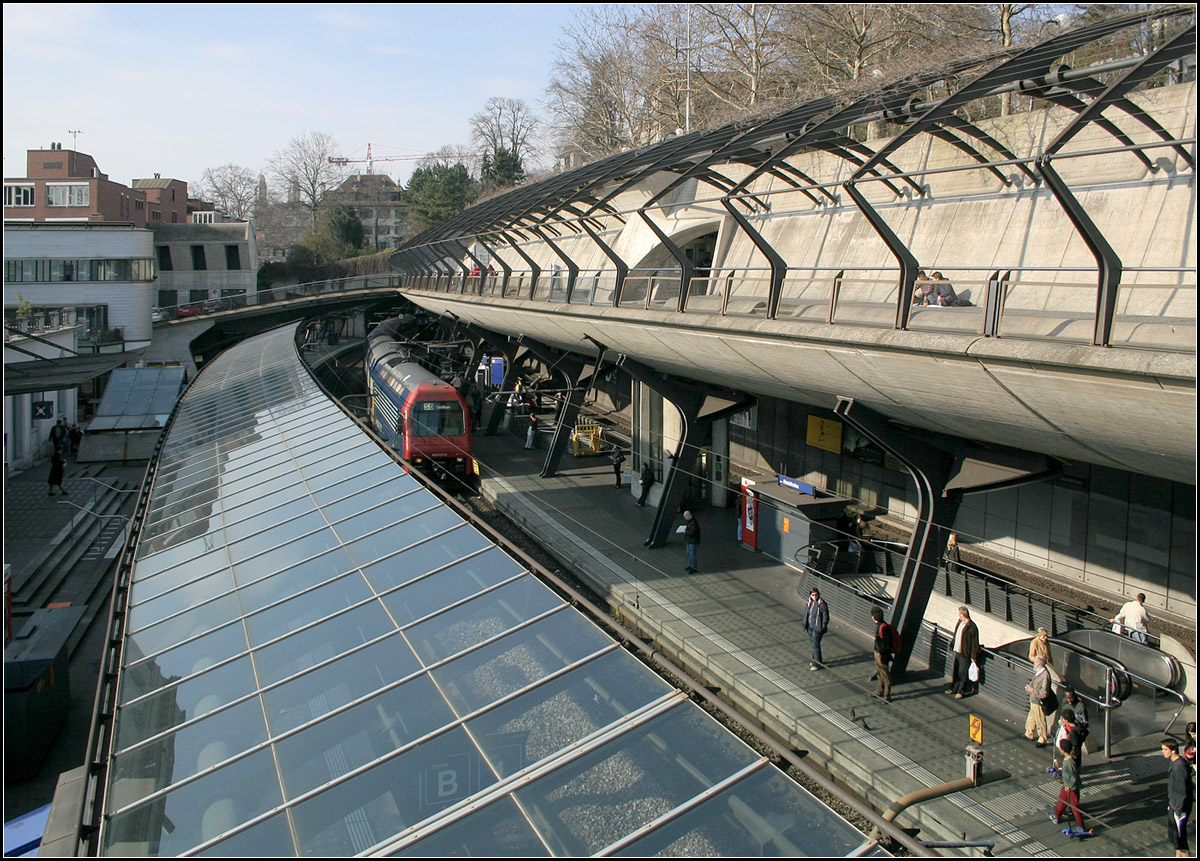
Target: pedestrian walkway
34	523
737	625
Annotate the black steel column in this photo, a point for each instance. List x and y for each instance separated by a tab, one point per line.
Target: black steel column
931	469
572	267
534	269
622	266
686	268
699	406
778	264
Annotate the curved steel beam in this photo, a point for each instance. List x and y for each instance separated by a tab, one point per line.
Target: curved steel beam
622	266
686	268
572	266
534	269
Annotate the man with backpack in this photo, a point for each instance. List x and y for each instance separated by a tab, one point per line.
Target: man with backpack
887	644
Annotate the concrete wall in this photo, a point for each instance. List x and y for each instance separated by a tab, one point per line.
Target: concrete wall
1112	532
967	224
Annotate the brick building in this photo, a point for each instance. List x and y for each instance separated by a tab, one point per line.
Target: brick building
62	185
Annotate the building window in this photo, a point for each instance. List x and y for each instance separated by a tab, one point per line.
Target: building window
233	260
68	195
18	195
50	271
164	258
198	261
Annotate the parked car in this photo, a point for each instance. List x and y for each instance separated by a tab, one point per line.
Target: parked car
187	311
157	315
212	306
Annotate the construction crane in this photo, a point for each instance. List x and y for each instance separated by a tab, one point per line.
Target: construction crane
370	160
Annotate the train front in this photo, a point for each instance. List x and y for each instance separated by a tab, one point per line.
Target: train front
437	437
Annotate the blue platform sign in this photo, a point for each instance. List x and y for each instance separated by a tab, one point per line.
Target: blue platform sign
797	485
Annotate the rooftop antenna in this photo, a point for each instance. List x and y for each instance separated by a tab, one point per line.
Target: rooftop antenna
74	133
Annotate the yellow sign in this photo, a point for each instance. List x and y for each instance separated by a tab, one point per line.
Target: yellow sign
824	434
976	729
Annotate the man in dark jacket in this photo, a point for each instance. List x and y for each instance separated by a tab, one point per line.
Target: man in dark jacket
1179	797
646	480
691	540
816	623
965	645
884	641
618	458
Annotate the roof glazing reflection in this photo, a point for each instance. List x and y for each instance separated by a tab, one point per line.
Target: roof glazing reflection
323	659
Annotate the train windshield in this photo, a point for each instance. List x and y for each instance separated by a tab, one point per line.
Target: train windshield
437	418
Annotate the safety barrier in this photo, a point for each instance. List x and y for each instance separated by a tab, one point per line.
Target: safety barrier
1044	304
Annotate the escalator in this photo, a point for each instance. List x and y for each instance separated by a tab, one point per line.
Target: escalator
1141	681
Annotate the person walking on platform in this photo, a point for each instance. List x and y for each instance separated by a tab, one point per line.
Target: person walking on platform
1133	619
952	559
646	480
57	469
1072	783
531	433
1039	695
691	539
618	458
60	436
1179	797
965	646
1040	645
886	641
816	623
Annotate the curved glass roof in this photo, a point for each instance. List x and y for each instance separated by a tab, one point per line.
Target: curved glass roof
321	658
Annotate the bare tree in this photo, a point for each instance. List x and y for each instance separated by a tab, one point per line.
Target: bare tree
740	51
504	124
598	89
232	188
305	169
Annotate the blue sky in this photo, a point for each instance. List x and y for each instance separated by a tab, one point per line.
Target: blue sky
173	89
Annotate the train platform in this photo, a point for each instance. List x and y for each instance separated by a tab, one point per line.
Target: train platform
737	625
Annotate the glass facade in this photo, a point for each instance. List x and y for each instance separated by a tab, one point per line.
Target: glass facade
321	658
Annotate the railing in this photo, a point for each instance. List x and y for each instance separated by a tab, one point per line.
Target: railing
1155	307
306	290
1004	675
39	322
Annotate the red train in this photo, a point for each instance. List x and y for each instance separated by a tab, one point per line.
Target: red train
423	418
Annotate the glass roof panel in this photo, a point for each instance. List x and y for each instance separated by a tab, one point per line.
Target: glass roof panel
354	815
145	674
322	658
360	735
525	657
336	635
331	686
188	700
659	766
482	618
764	809
197	811
564	710
179	755
500	830
457	582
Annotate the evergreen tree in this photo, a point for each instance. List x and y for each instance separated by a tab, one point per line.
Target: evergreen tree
437	192
504	169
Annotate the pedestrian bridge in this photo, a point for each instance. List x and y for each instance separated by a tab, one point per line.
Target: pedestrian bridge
785	255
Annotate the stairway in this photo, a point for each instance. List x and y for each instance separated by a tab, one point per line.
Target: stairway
76	567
